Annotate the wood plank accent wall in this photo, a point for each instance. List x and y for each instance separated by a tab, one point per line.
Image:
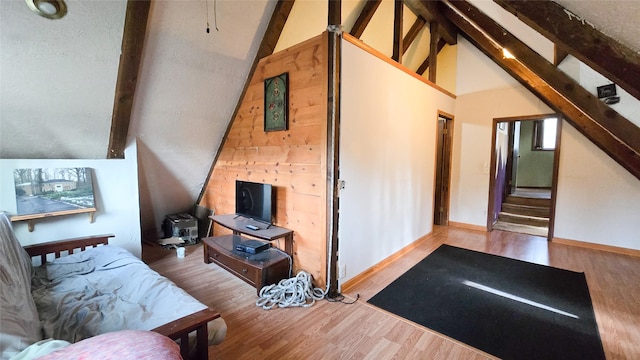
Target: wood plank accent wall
293	161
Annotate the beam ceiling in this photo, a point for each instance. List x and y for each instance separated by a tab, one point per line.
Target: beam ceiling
606	128
135	27
572	34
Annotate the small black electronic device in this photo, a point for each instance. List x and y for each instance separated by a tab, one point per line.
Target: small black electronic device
252	227
252	246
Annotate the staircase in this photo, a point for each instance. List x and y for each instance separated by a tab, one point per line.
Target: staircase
527	212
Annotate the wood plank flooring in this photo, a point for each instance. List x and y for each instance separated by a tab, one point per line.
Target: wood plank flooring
332	330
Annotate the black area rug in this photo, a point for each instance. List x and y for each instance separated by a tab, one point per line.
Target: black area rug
508	308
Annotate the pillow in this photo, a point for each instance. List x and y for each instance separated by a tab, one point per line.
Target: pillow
118	345
19	321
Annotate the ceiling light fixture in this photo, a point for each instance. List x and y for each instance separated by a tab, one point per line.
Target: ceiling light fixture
51	9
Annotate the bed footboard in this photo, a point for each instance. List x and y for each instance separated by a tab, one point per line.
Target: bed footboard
68	245
180	329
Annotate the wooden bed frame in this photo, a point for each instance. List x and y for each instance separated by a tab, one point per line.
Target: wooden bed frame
177	329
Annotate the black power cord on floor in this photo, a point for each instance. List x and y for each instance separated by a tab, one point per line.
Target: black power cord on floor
340	298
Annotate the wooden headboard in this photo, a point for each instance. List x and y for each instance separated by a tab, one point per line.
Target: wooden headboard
68	245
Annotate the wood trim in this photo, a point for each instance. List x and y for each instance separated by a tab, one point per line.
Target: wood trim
135	28
365	16
354	281
581	39
388	60
594	246
467	226
269	41
554	177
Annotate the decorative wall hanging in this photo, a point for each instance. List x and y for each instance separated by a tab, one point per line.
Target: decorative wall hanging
44	192
276	103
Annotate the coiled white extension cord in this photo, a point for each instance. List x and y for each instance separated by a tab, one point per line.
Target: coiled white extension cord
296	291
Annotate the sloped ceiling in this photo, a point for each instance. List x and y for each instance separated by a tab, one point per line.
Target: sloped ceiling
615	18
57	81
58	77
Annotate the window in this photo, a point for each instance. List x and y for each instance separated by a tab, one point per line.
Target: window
544	134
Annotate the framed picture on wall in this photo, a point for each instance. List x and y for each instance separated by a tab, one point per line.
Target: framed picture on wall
44	192
276	103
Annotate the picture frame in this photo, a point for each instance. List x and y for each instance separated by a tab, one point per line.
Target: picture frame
276	103
45	192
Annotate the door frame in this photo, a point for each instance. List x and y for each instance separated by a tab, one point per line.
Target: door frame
442	173
554	176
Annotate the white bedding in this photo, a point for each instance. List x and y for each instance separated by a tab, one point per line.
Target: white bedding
105	289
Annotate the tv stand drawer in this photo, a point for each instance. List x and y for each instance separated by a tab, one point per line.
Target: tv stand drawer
265	268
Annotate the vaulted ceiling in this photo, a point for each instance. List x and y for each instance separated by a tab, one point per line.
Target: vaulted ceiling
176	85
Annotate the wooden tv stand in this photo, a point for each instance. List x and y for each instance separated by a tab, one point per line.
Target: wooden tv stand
265	268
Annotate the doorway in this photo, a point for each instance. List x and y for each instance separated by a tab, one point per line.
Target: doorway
523	176
444	134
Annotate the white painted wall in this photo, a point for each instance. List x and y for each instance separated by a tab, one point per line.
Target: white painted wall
485	92
189	84
387	158
597	200
115	185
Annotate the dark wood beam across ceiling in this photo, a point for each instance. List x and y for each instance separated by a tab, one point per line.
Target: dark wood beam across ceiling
607	56
558	55
413	33
433	52
135	28
425	64
611	132
429	10
365	16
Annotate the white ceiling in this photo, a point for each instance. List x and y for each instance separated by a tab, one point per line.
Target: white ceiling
619	19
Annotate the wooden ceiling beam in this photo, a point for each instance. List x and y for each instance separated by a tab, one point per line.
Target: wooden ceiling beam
558	55
604	127
365	16
429	10
398	11
425	64
135	28
413	33
433	52
579	38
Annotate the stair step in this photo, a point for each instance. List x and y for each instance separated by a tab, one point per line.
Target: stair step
527	210
523	220
529	201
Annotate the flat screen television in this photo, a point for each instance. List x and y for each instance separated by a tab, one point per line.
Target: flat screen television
254	200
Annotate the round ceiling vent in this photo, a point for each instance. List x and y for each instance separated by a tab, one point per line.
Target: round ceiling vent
51	9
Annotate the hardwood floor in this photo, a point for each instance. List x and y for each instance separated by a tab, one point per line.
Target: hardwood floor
332	330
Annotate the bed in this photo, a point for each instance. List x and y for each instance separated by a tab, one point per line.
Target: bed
84	287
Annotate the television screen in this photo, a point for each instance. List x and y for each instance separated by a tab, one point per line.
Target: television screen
253	200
